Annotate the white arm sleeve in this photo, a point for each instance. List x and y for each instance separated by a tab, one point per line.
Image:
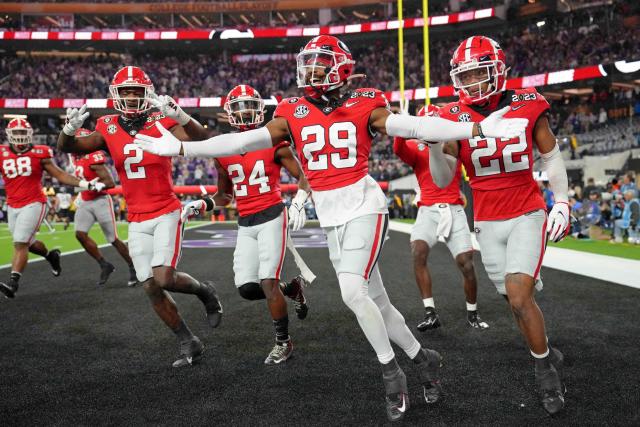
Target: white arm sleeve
427	128
229	144
553	164
442	166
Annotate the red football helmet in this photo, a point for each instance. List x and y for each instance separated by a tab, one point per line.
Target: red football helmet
131	77
19	134
324	64
476	61
244	107
429	110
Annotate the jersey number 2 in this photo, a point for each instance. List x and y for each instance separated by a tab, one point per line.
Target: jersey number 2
493	167
257	177
130	163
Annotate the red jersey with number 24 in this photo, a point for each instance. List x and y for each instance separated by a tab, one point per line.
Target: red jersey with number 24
22	174
146	178
501	170
256	179
82	170
333	142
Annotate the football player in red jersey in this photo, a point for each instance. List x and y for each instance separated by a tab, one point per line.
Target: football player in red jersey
97	206
332	129
21	167
155	226
441	218
510	217
254	179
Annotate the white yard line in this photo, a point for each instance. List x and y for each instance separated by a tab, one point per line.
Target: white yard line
621	271
76	251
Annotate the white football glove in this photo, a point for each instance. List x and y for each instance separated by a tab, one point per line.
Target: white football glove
559	221
93	185
495	126
74	120
169	107
192	209
297	214
166	145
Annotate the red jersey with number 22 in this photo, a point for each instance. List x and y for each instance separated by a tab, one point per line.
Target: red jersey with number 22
82	170
333	142
501	170
22	174
146	178
256	179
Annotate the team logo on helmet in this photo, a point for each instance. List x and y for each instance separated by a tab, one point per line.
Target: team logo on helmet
464	117
301	111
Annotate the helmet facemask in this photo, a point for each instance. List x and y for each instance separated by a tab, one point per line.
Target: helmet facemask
319	69
20	138
245	112
131	105
470	78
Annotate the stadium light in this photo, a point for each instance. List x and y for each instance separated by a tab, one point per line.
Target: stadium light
540	23
16	116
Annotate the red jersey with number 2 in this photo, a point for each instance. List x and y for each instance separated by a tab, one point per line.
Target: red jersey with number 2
501	170
82	170
22	174
333	141
146	178
256	179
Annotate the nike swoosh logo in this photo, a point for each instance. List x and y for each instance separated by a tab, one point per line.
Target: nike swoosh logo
404	404
350	104
516	107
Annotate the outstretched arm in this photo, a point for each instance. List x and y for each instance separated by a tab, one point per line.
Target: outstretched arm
66	179
440	130
224	145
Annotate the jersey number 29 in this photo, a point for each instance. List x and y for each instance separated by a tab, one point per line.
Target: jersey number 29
341	135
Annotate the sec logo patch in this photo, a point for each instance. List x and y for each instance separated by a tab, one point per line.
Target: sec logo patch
301	111
111	129
464	117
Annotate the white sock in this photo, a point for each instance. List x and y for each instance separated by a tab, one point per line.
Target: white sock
355	294
428	302
397	329
472	307
540	356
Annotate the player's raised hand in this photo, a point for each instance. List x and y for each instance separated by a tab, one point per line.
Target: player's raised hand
297	213
559	221
166	145
169	107
192	209
74	120
496	126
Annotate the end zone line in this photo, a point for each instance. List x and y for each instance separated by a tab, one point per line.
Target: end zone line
603	267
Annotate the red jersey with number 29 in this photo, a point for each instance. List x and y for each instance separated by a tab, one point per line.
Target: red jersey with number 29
256	179
501	170
146	178
333	142
82	170
22	174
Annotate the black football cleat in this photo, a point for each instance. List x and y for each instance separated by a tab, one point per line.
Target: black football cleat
212	304
551	389
190	353
396	393
297	295
430	362
431	320
133	278
280	353
105	271
53	257
9	289
475	321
